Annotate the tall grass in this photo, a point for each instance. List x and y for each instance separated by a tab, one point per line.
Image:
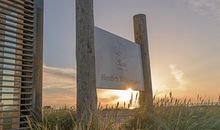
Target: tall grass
169	114
178	114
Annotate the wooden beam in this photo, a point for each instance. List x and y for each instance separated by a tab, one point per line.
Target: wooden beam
38	60
85	56
140	33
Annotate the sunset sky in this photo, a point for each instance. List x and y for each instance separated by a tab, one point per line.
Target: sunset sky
184	38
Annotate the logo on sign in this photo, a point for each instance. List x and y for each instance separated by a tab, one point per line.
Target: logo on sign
120	57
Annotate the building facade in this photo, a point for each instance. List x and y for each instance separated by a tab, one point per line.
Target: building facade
21	44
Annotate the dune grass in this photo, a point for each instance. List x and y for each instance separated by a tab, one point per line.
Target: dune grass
169	114
178	114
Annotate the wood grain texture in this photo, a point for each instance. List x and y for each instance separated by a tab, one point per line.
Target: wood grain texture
85	56
140	33
38	61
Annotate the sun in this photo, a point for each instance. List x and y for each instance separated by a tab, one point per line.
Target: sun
125	96
130	90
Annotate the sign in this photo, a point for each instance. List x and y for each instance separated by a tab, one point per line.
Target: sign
118	62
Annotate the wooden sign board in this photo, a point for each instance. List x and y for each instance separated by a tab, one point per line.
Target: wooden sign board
118	62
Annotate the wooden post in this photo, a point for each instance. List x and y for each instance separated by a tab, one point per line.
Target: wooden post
38	60
85	56
140	33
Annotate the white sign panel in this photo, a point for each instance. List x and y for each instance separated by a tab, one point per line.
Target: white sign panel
118	62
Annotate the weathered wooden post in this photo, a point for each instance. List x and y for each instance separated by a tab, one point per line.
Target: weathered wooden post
140	33
38	60
85	57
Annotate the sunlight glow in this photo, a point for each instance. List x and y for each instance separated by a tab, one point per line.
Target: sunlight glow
124	95
130	90
128	96
122	98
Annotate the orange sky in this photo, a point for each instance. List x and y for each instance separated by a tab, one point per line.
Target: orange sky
60	88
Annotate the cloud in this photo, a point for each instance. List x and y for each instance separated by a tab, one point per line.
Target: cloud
206	7
112	99
59	99
109	97
59	86
178	75
54	77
